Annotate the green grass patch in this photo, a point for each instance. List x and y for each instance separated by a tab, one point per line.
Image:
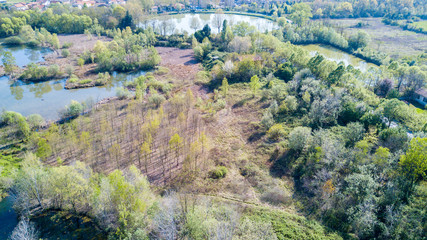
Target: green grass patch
9	161
291	226
421	24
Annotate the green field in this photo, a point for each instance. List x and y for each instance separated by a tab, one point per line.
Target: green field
421	24
392	40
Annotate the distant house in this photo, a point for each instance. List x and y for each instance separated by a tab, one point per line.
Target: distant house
154	9
421	96
178	6
20	6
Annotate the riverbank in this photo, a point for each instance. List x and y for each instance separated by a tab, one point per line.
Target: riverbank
76	45
225	12
338	55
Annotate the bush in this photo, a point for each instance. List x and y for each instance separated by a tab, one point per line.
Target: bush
13	41
72	110
122	93
276	196
73	79
67	45
53	70
81	62
220	104
65	53
162	70
85	81
156	99
218	172
298	138
276	132
35	121
69	70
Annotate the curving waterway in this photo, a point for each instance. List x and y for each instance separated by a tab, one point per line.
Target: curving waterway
338	56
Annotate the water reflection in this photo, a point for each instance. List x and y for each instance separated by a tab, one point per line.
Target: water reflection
338	56
8	218
26	55
47	98
181	23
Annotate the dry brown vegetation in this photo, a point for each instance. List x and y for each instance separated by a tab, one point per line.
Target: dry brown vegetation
122	133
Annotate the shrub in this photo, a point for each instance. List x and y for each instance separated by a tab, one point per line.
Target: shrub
220	104
53	70
12	41
65	53
17	120
73	79
72	110
162	70
276	196
35	120
33	43
290	104
69	70
81	62
103	79
267	119
156	99
122	93
85	81
67	45
298	138
218	172
276	132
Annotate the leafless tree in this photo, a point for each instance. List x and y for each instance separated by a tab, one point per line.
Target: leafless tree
24	231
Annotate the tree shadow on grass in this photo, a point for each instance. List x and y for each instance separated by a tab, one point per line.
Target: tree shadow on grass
242	102
280	163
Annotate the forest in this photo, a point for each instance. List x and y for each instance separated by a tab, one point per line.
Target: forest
239	134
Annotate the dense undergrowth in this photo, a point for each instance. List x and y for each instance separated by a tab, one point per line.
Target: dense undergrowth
265	134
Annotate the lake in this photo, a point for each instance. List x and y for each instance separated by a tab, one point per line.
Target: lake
49	97
25	55
8	217
181	23
337	55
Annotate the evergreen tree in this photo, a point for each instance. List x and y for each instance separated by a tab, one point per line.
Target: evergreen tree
127	21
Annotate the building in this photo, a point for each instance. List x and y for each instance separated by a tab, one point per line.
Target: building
421	96
20	6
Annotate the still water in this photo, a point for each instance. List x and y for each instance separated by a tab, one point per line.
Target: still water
337	55
25	55
8	217
49	97
181	23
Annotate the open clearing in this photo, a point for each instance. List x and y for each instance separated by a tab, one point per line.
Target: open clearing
421	24
389	39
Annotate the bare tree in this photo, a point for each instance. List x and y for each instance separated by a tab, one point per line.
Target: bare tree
195	23
24	231
218	19
165	222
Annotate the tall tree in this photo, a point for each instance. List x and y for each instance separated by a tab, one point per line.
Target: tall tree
254	84
127	21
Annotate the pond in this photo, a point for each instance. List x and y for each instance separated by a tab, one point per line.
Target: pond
49	97
337	55
180	23
25	55
8	217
